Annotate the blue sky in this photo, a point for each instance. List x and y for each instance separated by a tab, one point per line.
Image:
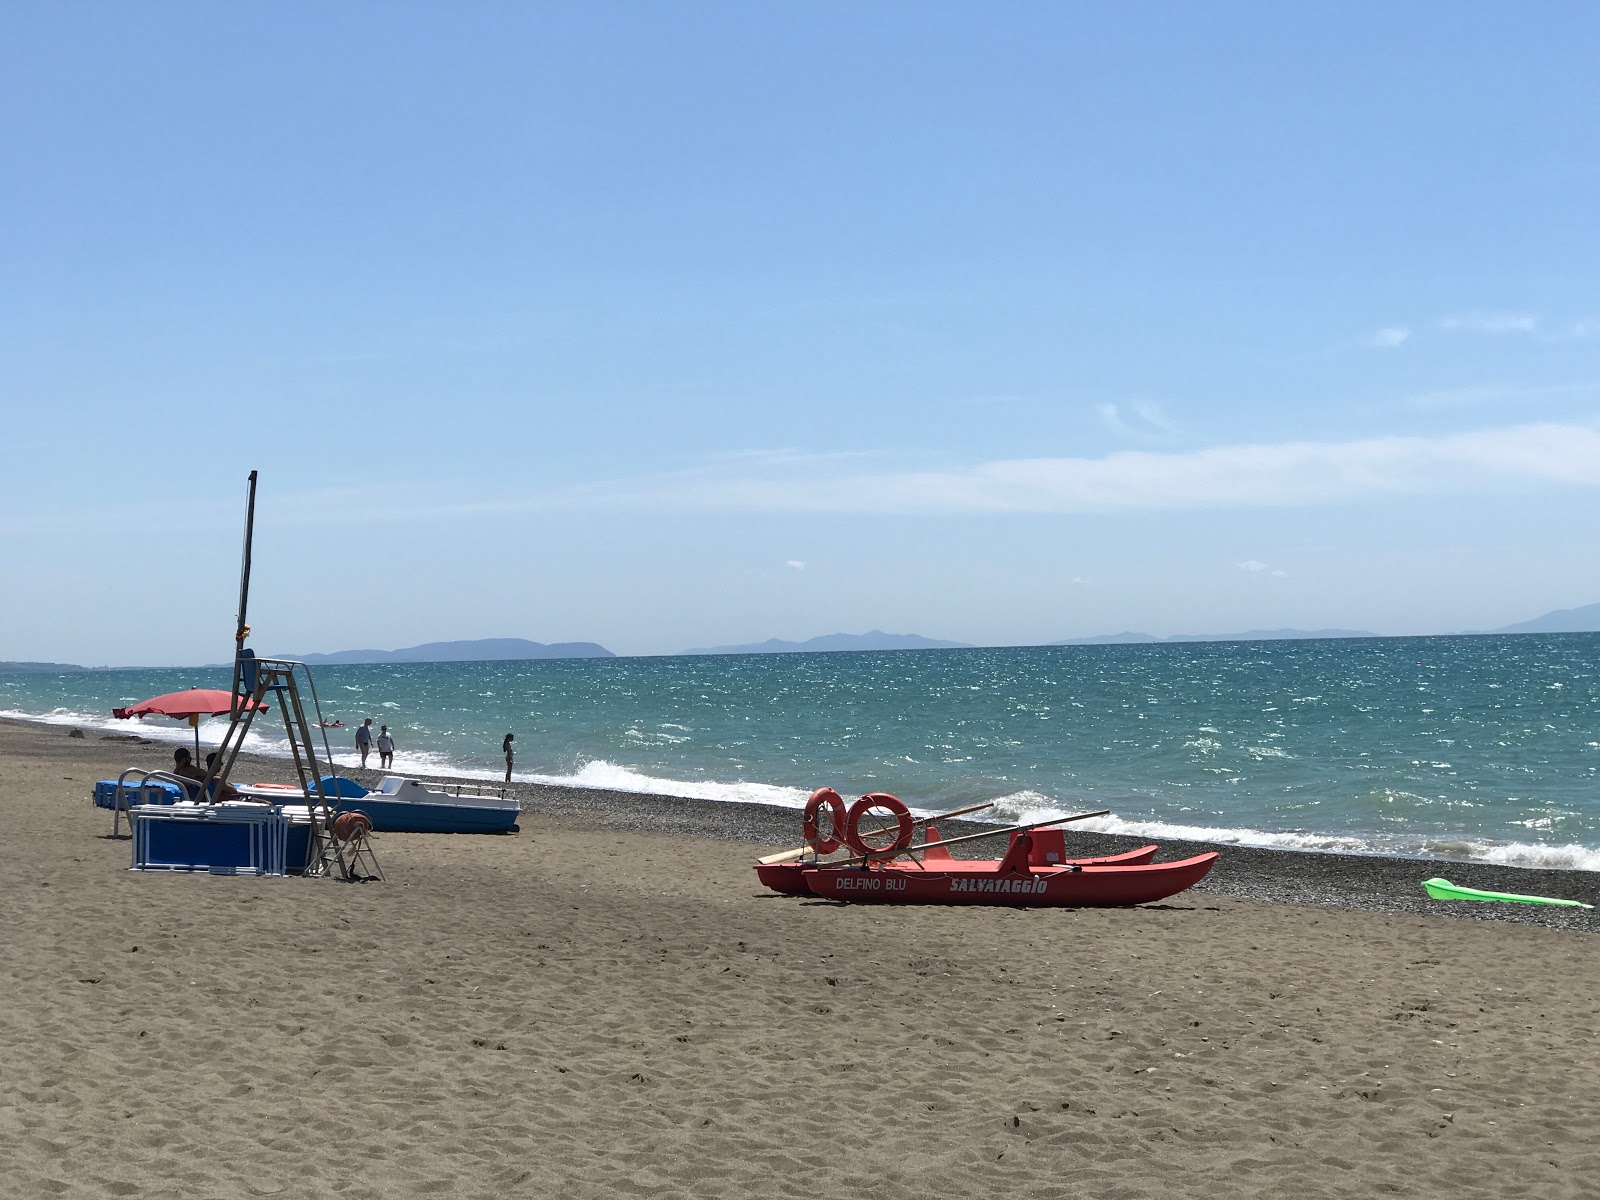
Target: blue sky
667	325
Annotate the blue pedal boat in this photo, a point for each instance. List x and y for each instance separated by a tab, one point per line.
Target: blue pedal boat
400	805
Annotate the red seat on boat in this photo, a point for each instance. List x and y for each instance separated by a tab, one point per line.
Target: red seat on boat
1016	860
1049	847
935	851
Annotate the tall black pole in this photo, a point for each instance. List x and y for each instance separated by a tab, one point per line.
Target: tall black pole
241	630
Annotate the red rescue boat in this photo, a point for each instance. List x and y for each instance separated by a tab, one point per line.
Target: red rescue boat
790	877
1011	881
1034	872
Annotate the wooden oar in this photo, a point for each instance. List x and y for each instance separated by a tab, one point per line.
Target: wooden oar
968	837
784	856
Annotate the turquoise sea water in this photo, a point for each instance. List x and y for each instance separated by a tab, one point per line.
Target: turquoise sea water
1479	747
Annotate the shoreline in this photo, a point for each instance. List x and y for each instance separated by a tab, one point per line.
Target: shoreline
1361	882
1502	847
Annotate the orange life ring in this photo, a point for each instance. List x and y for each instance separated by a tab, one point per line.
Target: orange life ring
836	821
857	841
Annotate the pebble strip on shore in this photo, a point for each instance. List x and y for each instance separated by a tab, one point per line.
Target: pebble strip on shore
1372	883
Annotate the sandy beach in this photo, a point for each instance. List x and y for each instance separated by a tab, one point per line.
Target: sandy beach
607	1004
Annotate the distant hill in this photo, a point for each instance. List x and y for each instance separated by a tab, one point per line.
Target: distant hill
1563	620
481	650
41	668
1253	635
875	639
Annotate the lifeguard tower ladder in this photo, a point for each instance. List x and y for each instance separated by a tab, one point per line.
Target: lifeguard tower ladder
275	679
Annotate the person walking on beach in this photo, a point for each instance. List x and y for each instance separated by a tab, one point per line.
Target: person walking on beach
385	747
364	739
506	746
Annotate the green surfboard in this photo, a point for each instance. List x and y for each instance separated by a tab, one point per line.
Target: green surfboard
1443	889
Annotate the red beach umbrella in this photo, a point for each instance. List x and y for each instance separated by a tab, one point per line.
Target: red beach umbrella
192	704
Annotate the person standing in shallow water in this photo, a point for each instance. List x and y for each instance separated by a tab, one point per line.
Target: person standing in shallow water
506	746
385	748
364	739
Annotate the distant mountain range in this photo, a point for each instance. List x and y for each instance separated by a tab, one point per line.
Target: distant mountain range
481	650
1584	619
1564	620
1254	635
874	639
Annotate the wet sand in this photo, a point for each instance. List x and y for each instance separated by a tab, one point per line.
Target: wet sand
607	1004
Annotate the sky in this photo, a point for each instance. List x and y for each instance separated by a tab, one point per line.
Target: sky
664	325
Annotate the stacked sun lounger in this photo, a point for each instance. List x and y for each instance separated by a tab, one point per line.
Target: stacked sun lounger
224	839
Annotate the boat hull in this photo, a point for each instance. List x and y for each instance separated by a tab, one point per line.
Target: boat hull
407	807
1068	886
790	878
400	816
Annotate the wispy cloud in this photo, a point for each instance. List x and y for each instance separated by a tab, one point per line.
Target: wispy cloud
1460	397
1495	323
1254	566
1498	323
1522	324
795	564
1502	394
1242	476
1137	418
1258	475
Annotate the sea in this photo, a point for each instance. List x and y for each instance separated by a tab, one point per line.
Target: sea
1472	747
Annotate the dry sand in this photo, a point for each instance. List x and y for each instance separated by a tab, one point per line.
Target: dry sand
582	1011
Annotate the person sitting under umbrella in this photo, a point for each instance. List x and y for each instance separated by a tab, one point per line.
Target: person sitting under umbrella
183	766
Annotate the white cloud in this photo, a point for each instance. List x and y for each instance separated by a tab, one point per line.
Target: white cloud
1390	337
1252	566
1491	322
1260	475
795	564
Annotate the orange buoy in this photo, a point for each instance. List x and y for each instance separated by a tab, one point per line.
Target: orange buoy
348	826
836	821
858	841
